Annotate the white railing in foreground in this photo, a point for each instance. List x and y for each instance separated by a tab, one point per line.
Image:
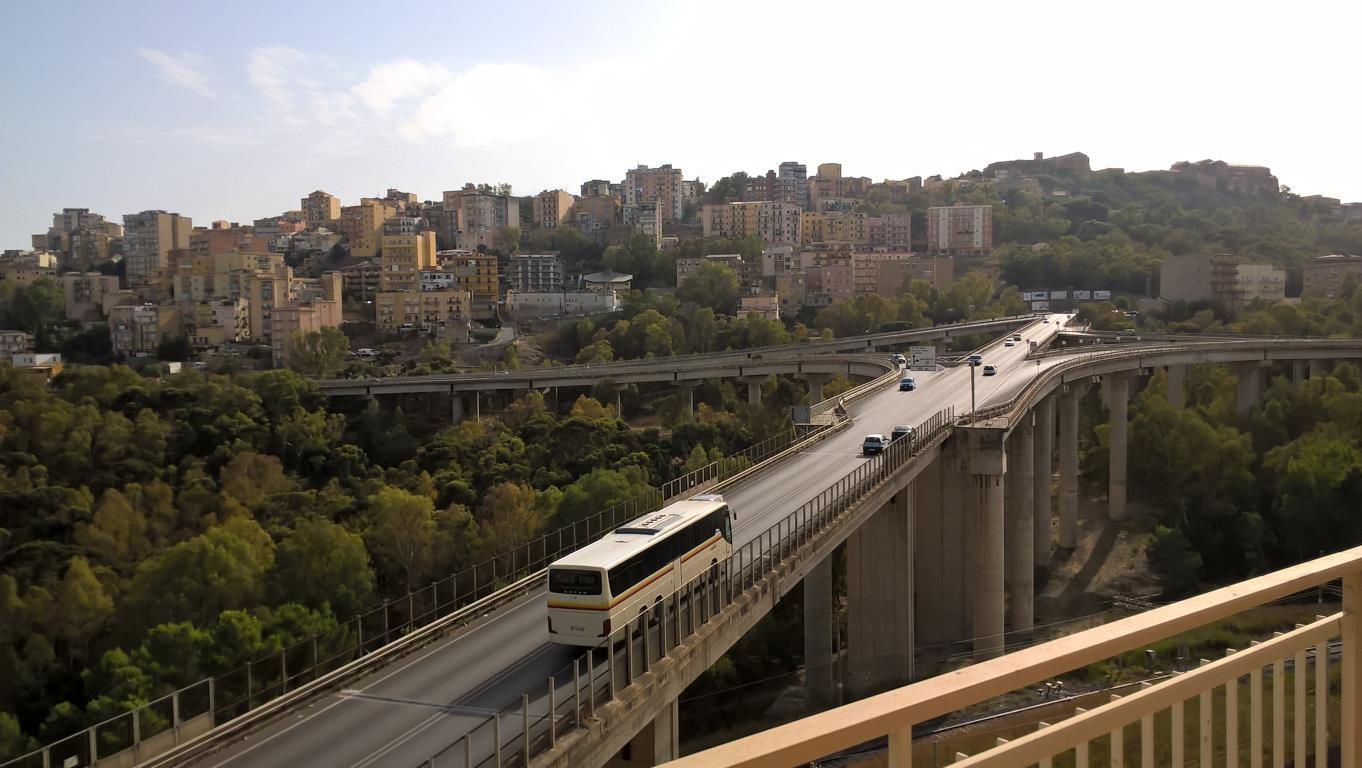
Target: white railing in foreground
1125	729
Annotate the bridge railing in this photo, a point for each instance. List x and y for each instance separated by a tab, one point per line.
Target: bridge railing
513	736
1308	679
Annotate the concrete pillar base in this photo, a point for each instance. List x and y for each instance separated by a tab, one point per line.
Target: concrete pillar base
1297	373
1020	549
1177	386
657	743
985	533
928	551
1068	468
1250	389
456	407
1041	475
1116	443
754	389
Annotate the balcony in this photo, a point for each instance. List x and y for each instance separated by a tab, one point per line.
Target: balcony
1297	696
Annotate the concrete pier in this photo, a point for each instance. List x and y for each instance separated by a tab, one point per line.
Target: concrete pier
880	598
929	618
1297	373
1021	531
1250	390
657	743
986	462
1177	386
818	673
1041	474
754	389
1068	468
1117	438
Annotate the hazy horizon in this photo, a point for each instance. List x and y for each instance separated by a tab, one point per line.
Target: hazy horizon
236	114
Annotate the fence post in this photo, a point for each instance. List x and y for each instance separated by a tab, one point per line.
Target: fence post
496	736
553	712
137	734
47	757
1352	668
212	702
386	637
525	723
175	717
94	744
283	671
577	690
359	636
316	658
610	662
249	686
467	752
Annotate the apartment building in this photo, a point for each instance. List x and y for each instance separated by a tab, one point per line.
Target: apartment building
645	219
656	185
535	273
595	214
299	317
766	306
406	253
775	223
552	208
87	295
476	213
14	342
479	275
829	282
1324	275
960	230
320	209
210	324
894	231
840	228
687	266
1219	277
361	279
940	272
273	227
830	183
148	239
442	312
139	328
362	225
542	304
79	237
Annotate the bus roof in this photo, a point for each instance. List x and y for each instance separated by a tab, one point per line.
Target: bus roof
637	535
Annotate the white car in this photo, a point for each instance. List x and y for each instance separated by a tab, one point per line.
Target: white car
1009	343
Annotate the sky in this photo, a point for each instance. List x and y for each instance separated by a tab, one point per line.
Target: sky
236	110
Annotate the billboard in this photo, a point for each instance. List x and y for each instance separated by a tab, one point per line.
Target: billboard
922	358
1102	295
1037	306
1040	296
1082	295
1058	295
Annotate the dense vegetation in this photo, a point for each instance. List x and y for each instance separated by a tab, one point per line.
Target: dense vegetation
154	531
1234	496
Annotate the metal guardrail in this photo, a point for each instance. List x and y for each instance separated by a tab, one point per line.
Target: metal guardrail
513	736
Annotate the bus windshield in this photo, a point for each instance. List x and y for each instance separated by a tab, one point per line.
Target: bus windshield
574	581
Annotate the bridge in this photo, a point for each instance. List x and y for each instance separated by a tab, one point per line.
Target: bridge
488	688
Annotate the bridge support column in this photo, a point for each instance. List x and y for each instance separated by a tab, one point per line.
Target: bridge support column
455	407
754	389
1177	386
1021	529
477	405
1068	468
880	598
1116	444
1297	373
1320	368
818	677
688	387
657	743
1250	389
984	534
929	618
816	382
1041	473
955	575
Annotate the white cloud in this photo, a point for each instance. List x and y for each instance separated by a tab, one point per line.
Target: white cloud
302	88
184	70
493	105
396	81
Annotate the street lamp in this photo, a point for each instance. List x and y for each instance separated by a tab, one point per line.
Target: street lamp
972	366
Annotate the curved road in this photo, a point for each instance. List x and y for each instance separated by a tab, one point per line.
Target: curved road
411	710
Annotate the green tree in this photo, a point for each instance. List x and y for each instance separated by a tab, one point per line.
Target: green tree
320	564
174	348
118	532
712	285
509	517
318	353
402	532
80	606
37	308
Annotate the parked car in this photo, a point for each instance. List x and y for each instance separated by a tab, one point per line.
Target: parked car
906	384
873	444
976	359
990	370
902	430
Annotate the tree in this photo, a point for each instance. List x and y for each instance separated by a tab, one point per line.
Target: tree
509	517
712	285
36	308
320	564
13	742
174	348
318	353
80	606
1171	556
251	477
402	531
118	532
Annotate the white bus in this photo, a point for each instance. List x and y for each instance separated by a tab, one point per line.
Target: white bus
608	583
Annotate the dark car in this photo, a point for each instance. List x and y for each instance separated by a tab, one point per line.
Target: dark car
906	384
902	430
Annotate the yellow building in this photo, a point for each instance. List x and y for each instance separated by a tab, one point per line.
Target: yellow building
834	227
299	317
214	323
148	238
478	274
552	208
139	329
775	223
404	256
320	208
362	225
87	294
444	312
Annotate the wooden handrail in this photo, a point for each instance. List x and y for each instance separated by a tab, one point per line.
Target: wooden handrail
895	711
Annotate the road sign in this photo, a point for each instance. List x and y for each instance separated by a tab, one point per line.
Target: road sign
922	358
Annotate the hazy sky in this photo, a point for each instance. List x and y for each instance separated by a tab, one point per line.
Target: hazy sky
235	110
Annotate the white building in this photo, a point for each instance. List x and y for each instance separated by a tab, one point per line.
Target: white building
540	304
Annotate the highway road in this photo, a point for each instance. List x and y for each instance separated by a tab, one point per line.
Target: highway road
404	713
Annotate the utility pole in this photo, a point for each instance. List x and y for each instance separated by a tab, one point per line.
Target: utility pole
972	366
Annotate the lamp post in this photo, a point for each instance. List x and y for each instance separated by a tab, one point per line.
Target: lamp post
972	366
